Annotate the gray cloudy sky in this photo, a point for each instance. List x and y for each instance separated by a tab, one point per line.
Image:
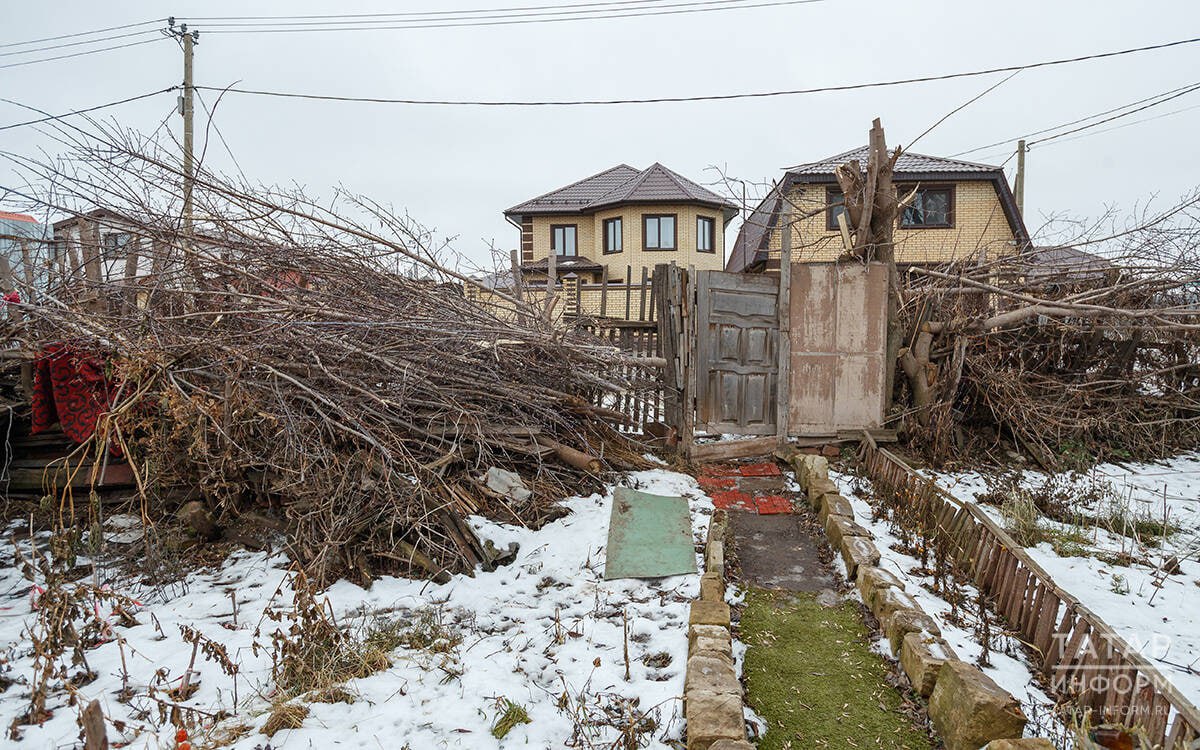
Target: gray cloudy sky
456	169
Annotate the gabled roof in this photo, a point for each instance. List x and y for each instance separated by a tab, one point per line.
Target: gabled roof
752	235
907	164
9	216
617	185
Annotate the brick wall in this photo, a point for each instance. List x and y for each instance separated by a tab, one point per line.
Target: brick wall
633	255
979	226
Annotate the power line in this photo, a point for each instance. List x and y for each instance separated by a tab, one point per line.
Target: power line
1077	121
383	16
963	106
519	20
77	44
221	136
81	54
709	97
1117	117
50	117
83	33
1129	124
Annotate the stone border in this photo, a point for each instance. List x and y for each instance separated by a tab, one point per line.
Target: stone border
967	708
712	702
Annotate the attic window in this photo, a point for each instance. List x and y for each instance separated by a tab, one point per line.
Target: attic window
931	207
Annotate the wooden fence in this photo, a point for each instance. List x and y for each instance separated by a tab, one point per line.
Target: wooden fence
1083	658
643	403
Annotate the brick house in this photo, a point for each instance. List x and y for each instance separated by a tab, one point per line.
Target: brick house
961	209
615	224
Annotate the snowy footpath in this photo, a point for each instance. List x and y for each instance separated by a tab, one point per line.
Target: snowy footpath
546	633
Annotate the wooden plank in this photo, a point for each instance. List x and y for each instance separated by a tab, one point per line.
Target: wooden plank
731	449
628	291
783	369
604	292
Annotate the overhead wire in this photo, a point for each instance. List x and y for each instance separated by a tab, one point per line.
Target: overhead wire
517	19
80	43
459	11
707	97
1142	108
1187	89
221	135
81	54
82	33
50	117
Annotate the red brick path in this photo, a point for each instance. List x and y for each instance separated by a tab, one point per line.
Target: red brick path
723	484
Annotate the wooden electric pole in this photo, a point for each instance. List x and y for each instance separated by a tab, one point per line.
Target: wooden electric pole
1019	182
188	40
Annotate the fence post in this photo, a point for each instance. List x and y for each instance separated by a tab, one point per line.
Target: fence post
783	380
604	292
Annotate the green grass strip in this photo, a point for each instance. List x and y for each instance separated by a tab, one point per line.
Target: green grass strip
813	677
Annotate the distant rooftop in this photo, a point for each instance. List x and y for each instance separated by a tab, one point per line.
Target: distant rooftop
9	216
908	163
621	184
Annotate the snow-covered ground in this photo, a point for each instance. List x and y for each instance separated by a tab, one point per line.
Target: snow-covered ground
1156	613
1010	670
546	632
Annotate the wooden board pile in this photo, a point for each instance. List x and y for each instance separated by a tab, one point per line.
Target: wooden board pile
286	361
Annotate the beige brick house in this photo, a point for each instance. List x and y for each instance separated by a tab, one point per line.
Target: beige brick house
615	224
960	210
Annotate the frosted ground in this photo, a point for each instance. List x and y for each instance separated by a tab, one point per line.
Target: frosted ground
546	632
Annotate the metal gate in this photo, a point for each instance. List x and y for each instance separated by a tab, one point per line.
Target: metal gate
737	352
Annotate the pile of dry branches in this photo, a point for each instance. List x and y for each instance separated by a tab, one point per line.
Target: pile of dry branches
282	360
1072	364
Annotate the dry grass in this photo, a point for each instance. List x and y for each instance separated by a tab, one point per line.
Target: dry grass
285	716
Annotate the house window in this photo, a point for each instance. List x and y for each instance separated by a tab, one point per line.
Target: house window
706	234
562	239
930	207
835	206
612	236
115	244
658	231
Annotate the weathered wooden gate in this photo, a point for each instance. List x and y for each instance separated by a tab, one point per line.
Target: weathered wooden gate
737	352
726	341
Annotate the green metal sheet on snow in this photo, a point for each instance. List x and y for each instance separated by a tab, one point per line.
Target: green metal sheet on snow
649	536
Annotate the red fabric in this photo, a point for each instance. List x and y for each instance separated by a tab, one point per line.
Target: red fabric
69	388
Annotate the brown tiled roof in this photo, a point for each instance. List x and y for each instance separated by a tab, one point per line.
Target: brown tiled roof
1065	262
621	184
908	163
8	215
563	264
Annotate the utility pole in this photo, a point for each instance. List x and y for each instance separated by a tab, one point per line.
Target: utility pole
1019	182
188	40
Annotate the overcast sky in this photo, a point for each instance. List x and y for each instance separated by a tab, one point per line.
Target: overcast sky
456	169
